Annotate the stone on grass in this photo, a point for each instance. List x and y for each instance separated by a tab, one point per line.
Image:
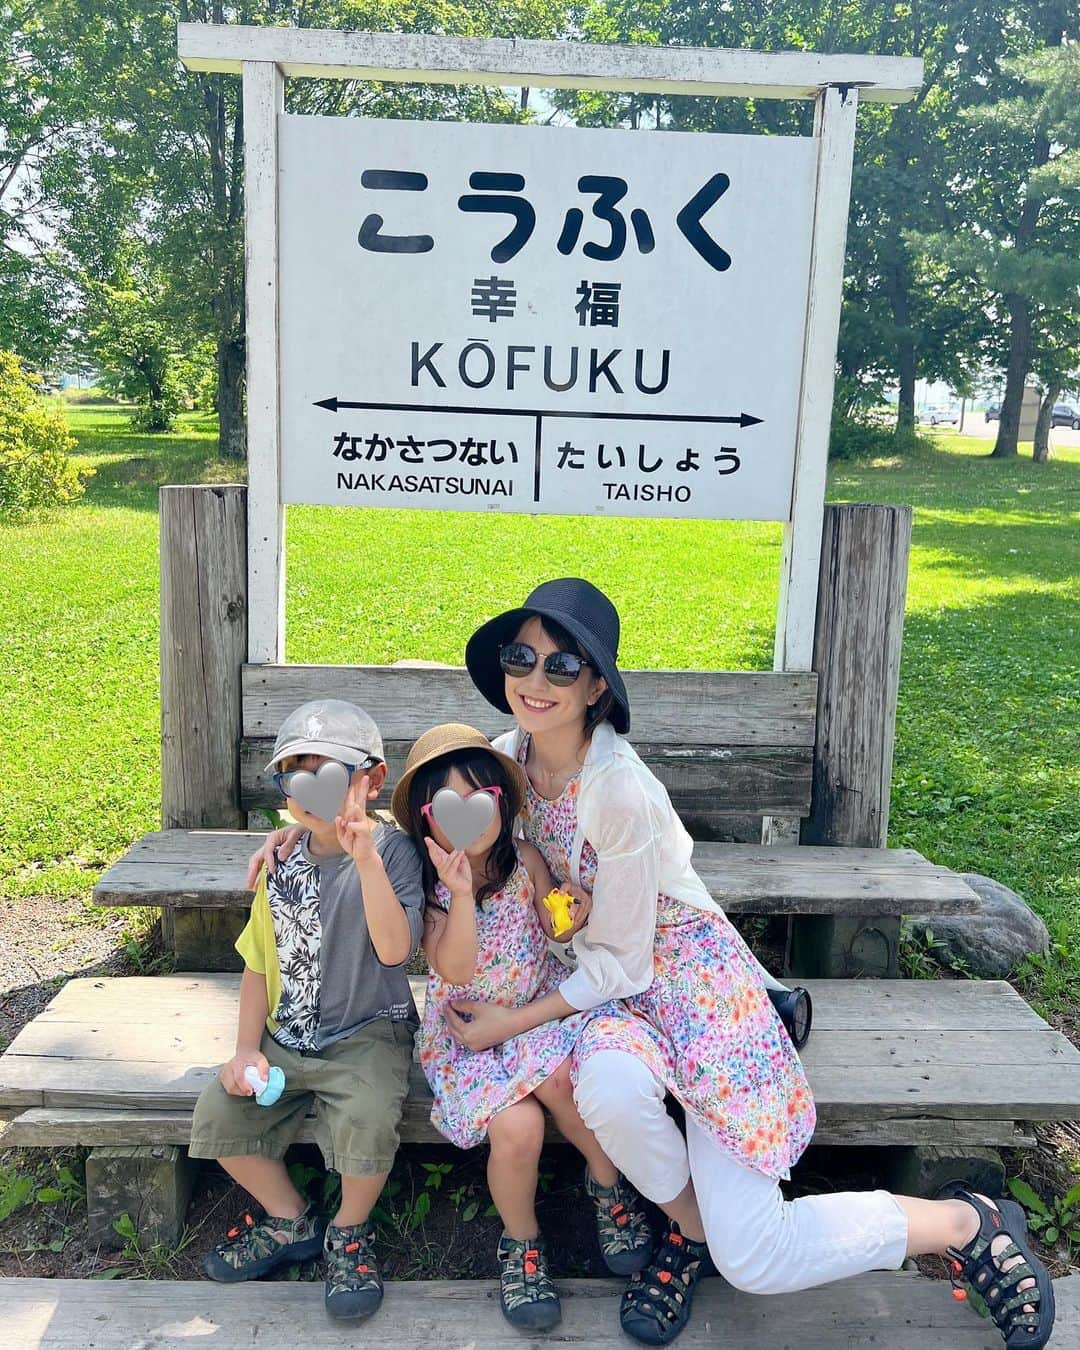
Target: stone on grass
992	942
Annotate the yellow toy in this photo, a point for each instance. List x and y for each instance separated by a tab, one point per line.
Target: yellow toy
557	903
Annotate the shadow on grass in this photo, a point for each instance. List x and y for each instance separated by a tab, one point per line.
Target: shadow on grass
987	747
1040	545
130	467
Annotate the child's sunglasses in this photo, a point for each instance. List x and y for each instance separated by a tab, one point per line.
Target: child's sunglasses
493	791
560	668
283	781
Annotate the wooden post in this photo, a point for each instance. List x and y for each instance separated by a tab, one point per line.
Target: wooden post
203	646
150	1183
860	619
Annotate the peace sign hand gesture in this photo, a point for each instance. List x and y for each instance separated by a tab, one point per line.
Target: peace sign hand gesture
355	828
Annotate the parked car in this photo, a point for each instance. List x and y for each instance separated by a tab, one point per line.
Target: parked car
940	415
1065	416
993	413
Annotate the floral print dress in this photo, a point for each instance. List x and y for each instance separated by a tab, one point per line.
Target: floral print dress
705	1026
513	967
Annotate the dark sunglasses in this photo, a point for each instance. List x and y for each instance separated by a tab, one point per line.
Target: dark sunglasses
283	781
560	668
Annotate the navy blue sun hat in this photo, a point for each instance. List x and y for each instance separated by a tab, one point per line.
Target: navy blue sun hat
587	615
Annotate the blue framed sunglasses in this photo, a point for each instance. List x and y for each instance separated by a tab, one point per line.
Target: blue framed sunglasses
283	781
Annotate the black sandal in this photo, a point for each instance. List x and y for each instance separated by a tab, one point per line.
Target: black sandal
656	1304
977	1268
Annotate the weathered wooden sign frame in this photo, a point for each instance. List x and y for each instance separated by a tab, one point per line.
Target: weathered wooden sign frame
265	57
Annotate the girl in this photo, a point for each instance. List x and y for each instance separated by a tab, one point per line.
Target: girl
703	1027
485	937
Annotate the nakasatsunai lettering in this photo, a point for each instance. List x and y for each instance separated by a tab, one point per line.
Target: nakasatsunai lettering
422	483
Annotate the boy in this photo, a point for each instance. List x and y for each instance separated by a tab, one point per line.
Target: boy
324	996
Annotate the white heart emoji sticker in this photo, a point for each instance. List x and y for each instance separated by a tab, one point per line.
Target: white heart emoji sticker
322	792
462	819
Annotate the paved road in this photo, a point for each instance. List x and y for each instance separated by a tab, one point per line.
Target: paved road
976	425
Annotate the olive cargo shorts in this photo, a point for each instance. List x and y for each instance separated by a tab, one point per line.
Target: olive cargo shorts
358	1086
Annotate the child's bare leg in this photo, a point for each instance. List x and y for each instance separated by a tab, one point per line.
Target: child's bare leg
358	1196
267	1179
684	1210
516	1136
557	1095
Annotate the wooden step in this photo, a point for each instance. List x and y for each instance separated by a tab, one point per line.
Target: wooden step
886	1310
93	1127
883	1054
206	869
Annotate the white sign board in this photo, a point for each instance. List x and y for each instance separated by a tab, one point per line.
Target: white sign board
540	319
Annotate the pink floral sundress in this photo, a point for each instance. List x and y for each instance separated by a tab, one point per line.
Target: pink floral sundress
514	966
705	1026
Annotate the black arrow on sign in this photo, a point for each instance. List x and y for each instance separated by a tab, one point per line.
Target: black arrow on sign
739	419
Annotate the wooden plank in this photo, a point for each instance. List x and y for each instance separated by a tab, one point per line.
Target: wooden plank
89	1127
1048	1091
879	1051
263	96
236	846
857	648
888	1310
686	708
834	129
437	59
707	784
198	1037
203	645
891	1006
206	869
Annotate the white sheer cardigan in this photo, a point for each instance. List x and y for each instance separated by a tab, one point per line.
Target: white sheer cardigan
642	850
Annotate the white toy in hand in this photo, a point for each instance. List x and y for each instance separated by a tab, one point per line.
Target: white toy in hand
268	1089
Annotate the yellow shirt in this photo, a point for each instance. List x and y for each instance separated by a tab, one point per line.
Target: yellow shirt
257	944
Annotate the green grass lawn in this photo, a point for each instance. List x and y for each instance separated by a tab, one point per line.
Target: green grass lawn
987	747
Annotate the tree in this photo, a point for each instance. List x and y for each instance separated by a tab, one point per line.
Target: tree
1021	239
164	153
36	293
133	343
904	316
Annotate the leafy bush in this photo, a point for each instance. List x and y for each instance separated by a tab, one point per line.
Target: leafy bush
35	470
861	438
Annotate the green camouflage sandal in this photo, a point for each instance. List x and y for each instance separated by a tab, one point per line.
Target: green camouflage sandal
1025	1317
252	1249
354	1287
626	1240
526	1294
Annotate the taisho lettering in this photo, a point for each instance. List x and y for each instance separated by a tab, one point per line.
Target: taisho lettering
646	492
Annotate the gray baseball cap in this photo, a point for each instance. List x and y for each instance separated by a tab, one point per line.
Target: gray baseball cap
330	727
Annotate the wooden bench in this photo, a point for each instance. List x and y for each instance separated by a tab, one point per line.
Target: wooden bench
891	1311
117	1065
803	756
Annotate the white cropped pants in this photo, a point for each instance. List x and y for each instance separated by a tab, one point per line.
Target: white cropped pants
759	1241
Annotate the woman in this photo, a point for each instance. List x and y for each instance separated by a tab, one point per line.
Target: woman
702	1027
